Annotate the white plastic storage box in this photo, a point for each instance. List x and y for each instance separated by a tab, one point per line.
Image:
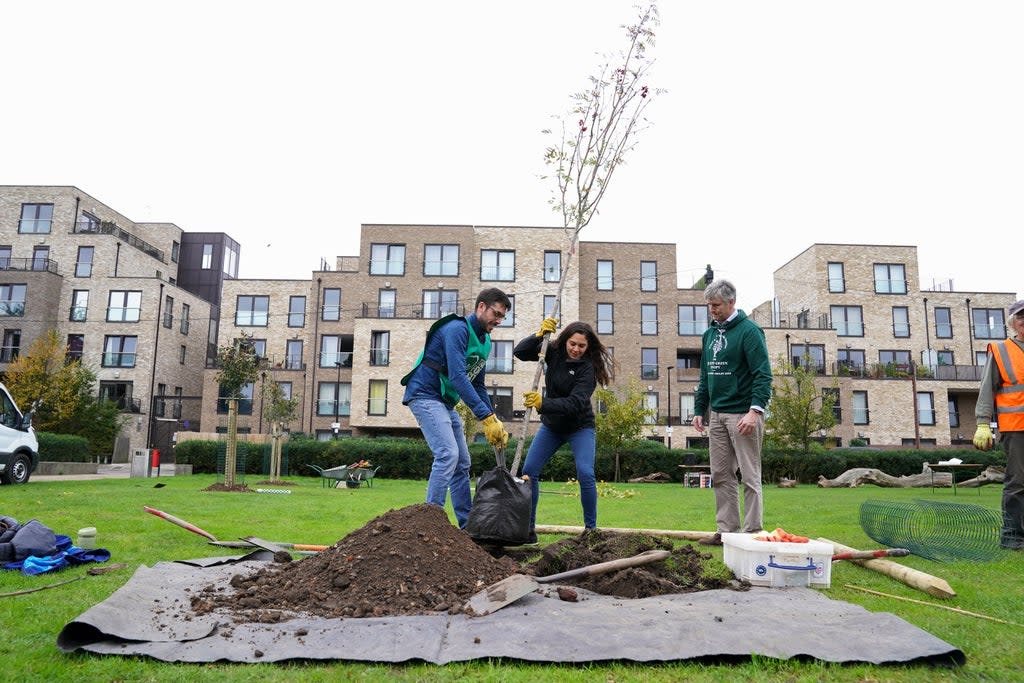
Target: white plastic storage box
777	564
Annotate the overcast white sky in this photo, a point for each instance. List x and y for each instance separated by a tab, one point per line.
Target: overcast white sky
288	124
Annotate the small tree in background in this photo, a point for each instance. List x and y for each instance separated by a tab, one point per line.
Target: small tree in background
798	410
591	141
239	365
280	413
622	419
65	389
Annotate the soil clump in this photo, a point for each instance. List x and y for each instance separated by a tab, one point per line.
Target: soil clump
414	561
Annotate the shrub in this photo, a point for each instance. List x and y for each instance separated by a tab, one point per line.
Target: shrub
63	448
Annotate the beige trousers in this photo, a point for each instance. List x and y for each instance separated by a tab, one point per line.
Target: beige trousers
731	452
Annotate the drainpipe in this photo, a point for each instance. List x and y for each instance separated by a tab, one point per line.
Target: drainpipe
152	374
117	258
970	332
74	219
316	340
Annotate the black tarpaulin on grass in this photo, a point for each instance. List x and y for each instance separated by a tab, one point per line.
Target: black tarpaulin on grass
151	616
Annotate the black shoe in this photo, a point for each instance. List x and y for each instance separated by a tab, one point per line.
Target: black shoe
713	539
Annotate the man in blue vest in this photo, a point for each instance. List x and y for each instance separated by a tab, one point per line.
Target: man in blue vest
450	368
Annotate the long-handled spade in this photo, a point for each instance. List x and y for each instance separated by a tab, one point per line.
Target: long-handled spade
511	588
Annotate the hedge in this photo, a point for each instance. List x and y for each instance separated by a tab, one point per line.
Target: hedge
408	458
62	448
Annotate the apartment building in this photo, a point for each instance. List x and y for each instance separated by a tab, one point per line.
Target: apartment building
903	362
118	292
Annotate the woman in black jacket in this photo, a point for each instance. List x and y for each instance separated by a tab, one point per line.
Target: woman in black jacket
576	362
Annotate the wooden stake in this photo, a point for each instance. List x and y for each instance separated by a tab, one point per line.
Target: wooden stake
932	604
932	585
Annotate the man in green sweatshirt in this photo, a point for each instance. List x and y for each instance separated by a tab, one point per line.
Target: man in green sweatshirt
732	395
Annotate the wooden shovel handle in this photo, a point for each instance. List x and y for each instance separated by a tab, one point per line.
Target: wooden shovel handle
871	554
609	566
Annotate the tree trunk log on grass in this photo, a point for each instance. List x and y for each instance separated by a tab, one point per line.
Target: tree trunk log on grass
866	475
993	474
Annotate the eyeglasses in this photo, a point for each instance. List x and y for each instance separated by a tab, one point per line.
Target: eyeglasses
498	315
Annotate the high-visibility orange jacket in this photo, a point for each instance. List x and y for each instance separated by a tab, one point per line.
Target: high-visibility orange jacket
1009	398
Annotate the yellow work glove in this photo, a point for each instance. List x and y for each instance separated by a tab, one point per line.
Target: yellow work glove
531	399
983	437
494	431
547	327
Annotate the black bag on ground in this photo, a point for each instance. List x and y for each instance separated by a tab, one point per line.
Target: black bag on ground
501	509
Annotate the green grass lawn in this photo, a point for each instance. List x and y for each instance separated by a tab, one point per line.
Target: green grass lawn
312	514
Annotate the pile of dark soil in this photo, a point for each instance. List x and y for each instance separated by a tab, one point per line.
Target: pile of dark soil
413	561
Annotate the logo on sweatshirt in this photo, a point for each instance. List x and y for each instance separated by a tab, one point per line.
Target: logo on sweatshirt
719	344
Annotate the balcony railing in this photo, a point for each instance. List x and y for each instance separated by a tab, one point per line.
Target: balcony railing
109	228
431	312
47	265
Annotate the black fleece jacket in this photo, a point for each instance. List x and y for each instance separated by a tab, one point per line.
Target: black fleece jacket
569	385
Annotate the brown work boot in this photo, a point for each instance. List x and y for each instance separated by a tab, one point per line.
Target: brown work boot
713	539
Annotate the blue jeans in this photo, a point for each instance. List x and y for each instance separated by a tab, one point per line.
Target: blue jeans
583	443
442	429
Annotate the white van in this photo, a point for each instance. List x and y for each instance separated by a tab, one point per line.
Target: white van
19	449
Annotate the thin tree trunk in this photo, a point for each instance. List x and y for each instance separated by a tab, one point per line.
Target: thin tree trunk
231	452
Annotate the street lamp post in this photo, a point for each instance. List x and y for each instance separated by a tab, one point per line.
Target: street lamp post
337	400
668	398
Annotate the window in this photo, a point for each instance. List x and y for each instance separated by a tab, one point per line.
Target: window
40	258
36	218
377	403
334	398
836	278
330	352
606	318
605	275
186	312
293	354
332	304
900	321
175	251
244	401
259	347
380	344
925	408
87	223
230	265
182	354
831	393
207	262
296	311
953	406
988	323
387	259
648	319
944	357
980	357
5	257
168	311
12	300
76	346
497	264
651	406
552	266
943	323
252	311
686	412
648	276
850	361
649	363
159	403
693	320
811	357
119	351
123	306
890	278
286	390
510	315
859	402
847	321
119	393
549	307
501	401
441	259
900	360
386	299
500	360
12	346
439	302
83	266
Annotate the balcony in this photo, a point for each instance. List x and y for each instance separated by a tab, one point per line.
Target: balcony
432	312
41	265
110	228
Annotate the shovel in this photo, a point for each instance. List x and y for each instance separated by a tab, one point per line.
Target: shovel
871	554
511	588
